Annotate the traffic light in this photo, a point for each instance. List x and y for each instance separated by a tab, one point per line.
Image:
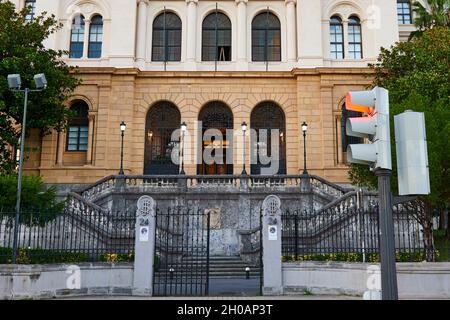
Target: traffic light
374	127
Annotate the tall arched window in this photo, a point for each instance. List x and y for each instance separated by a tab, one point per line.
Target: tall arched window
346	140
166	43
336	38
95	37
216	37
267	116
77	37
266	37
162	120
218	116
77	135
404	11
354	38
31	5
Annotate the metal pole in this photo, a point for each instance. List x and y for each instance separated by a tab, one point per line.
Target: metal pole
244	171
304	154
182	153
19	178
121	157
387	244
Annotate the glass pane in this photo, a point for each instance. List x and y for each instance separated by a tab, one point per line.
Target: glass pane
72	147
273	37
274	53
257	53
158	54
174	53
258	37
83	147
173	37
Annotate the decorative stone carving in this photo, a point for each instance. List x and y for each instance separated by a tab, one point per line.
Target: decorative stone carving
214	218
271	206
145	210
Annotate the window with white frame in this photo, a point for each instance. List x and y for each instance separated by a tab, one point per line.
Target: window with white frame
31	5
354	38
336	38
77	37
404	11
95	37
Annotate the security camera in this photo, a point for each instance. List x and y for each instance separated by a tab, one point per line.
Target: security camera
41	82
14	81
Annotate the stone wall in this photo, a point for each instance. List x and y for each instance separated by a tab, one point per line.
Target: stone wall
50	281
415	280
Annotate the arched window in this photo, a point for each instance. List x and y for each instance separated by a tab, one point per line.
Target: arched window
77	135
404	11
346	140
77	37
267	116
162	120
216	37
95	37
336	38
266	37
31	5
166	43
354	38
218	116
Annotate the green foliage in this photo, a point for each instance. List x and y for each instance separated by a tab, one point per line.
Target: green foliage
415	256
417	75
37	204
22	52
41	256
117	257
438	15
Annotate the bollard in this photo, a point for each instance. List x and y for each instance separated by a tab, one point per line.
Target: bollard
247	273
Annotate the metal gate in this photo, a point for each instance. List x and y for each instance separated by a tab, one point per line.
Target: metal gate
181	266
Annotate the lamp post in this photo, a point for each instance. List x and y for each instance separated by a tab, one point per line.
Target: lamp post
304	129
14	83
123	126
183	131
244	129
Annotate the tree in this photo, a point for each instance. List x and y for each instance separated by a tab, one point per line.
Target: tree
438	15
417	75
22	51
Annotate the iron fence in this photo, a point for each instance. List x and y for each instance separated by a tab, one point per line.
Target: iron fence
76	234
182	252
348	234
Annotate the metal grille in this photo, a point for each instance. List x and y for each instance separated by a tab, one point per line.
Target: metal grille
181	265
74	235
347	235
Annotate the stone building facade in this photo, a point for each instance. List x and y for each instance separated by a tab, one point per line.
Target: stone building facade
276	63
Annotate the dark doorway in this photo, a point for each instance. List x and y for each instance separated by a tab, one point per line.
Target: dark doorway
216	115
267	115
162	120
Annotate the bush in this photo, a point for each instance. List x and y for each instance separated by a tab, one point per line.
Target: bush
42	256
415	256
34	199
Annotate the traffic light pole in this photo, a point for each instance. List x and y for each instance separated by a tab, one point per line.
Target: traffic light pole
389	289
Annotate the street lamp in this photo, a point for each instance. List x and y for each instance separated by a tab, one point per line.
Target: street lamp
244	129
123	126
183	131
304	129
14	83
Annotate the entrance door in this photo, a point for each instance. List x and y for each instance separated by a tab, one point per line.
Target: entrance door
162	120
216	115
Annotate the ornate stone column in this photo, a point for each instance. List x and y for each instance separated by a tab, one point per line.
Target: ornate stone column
87	27
290	30
191	32
242	32
141	30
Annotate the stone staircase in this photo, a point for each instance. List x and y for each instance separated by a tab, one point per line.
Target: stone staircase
229	267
